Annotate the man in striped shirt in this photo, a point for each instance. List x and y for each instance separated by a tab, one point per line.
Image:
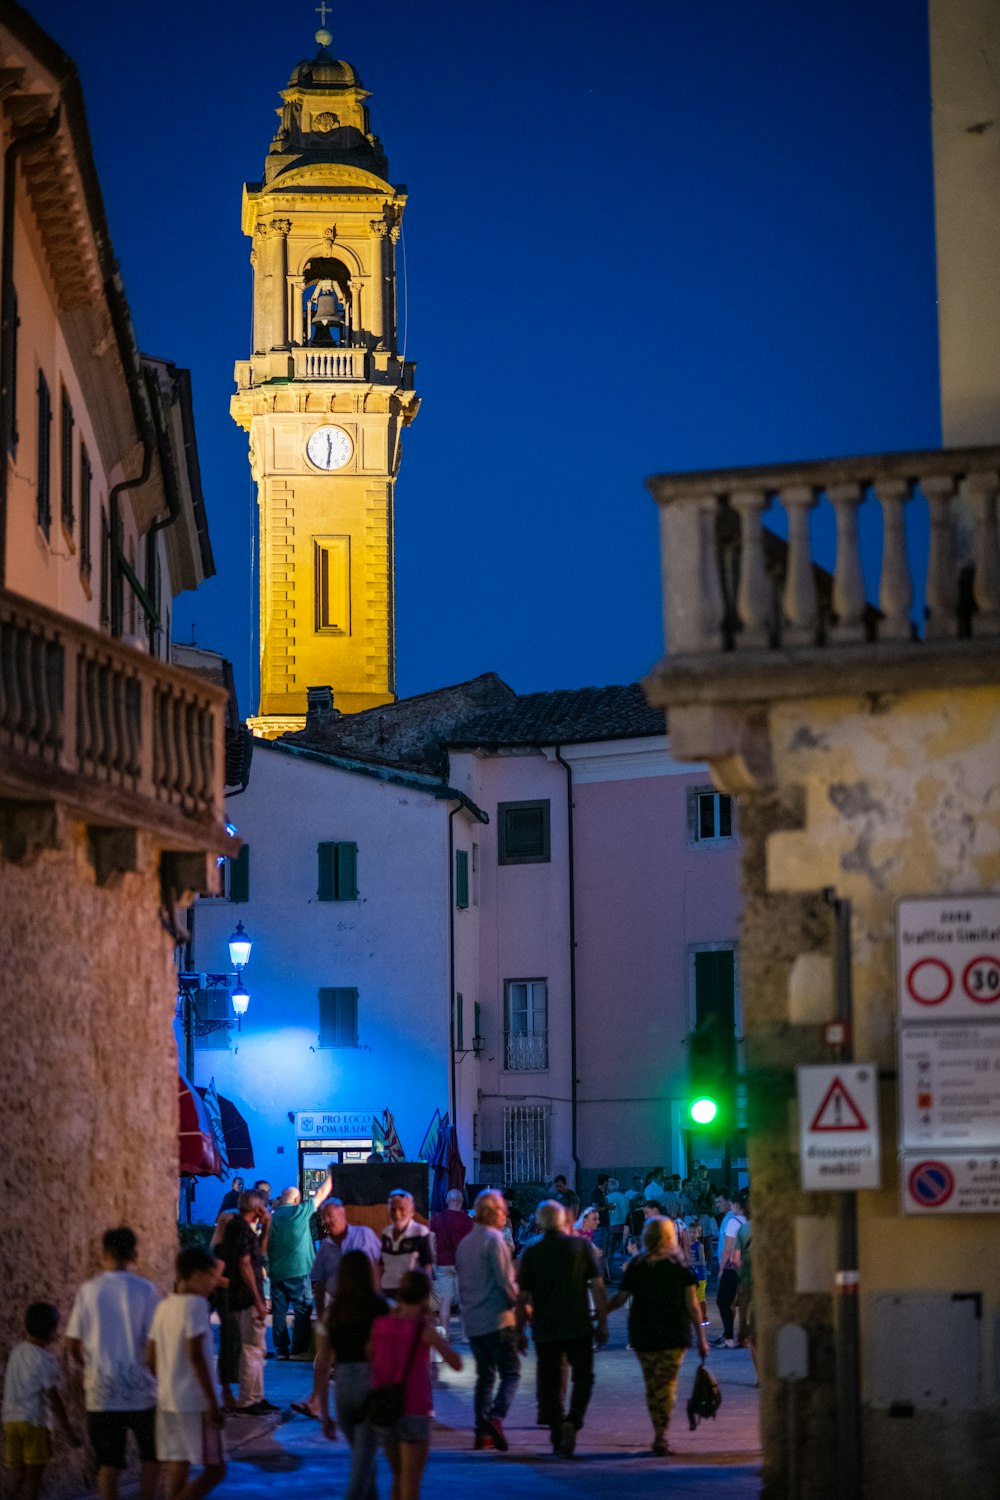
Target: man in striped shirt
406	1244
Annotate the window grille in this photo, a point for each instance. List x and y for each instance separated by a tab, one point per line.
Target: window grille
525	1144
526	1044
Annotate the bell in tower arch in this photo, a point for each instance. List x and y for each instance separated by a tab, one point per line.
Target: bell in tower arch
327	316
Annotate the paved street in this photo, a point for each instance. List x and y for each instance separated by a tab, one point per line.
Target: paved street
291	1456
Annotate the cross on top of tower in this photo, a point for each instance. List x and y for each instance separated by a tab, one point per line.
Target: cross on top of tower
323	36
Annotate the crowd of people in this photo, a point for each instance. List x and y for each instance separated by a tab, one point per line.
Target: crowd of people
372	1313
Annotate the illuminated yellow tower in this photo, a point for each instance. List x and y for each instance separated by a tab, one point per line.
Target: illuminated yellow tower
324	397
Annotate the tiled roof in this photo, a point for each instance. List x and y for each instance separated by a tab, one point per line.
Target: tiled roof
414	733
564	717
410	734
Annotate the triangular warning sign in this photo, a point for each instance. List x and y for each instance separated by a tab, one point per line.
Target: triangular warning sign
838	1111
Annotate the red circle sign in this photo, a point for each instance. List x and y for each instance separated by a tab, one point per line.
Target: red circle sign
931	1184
981	979
930	981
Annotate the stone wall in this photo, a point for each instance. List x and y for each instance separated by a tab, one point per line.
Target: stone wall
88	1111
878	798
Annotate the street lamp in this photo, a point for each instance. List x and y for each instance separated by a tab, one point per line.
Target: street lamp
239	949
189	985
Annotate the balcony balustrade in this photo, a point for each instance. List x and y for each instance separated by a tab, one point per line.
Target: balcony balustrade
330	364
729	586
526	1054
118	737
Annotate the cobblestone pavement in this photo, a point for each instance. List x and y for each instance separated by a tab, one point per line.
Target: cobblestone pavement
288	1456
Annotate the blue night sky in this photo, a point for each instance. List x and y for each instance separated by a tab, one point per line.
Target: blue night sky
663	235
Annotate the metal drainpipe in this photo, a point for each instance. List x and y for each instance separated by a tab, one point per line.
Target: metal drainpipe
452	1073
572	959
114	519
846	1318
46	132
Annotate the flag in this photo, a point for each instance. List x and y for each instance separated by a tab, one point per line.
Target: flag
379	1141
426	1151
393	1145
214	1111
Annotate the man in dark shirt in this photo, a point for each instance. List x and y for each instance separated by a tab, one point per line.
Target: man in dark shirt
555	1273
241	1253
603	1230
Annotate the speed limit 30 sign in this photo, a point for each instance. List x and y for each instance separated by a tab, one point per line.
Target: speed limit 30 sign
948	958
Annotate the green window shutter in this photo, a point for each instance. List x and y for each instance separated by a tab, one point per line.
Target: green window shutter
461	878
327	890
459	1023
347	872
338	1017
239	875
477	1024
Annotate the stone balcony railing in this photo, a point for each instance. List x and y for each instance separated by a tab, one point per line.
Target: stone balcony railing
750	618
731	587
116	737
375	366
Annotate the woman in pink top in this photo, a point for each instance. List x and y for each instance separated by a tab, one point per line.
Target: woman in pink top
402	1342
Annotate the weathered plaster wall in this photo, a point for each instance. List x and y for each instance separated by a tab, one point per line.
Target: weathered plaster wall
897	797
88	1110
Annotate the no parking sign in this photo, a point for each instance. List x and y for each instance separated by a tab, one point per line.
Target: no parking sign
951	1185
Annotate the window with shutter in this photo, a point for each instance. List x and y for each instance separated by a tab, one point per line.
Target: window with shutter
86	479
523	833
8	368
461	879
459	1022
43	497
239	875
66	425
337	870
338	1017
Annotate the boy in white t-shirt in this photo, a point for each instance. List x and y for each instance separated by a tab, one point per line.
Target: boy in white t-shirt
31	1398
106	1336
188	1416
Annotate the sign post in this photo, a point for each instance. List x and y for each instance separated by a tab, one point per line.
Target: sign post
839	1143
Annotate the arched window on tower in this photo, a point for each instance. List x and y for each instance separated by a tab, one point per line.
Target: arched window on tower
327	320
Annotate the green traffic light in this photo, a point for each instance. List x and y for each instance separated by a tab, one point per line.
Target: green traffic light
703	1111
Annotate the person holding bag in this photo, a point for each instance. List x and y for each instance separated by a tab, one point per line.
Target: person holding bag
399	1404
342	1338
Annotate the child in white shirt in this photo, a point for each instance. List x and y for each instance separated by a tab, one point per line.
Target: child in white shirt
188	1416
31	1398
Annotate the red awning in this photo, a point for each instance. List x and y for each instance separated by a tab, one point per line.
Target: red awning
199	1155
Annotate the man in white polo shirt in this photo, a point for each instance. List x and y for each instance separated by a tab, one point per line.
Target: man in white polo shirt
406	1245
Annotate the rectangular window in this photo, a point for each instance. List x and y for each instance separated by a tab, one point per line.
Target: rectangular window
105	595
66	425
338	871
461	879
212	1013
338	1017
8	369
526	1025
477	1020
710	816
86	478
525	1144
43	497
332	573
239	876
459	1023
715	989
523	833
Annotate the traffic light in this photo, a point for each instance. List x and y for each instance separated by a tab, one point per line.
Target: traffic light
712	1075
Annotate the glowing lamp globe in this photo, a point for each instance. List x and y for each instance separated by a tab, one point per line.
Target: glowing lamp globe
703	1111
241	1000
239	947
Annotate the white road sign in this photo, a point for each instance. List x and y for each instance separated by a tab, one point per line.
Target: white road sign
948	958
949	1087
950	1184
838	1127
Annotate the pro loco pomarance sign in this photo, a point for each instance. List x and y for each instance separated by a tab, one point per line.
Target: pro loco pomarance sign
948	958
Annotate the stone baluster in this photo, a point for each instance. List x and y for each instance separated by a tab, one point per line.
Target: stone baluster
753	601
848	579
942	569
896	589
982	490
799	602
692	619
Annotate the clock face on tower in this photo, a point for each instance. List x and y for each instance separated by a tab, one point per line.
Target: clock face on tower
329	448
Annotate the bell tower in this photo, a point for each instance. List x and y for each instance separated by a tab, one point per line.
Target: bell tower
324	397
